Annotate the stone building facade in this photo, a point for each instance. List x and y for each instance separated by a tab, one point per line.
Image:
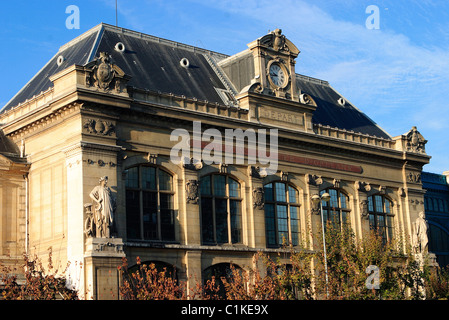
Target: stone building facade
110	104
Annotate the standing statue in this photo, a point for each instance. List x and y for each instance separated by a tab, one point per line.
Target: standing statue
105	209
421	239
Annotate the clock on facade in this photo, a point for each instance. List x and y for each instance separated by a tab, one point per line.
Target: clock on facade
278	75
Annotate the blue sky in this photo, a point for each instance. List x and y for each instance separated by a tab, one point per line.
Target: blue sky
397	74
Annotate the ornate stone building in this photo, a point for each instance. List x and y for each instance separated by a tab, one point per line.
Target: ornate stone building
87	165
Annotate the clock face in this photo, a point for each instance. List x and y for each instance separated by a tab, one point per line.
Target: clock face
278	75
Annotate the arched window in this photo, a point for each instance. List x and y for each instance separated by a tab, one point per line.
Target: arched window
149	204
281	214
221	210
336	210
381	216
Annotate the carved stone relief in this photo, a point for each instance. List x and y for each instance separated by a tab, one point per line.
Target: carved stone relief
192	187
258	197
99	127
364	209
415	141
102	74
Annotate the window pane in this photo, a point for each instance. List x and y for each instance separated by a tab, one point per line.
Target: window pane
149	178
149	215
165	181
370	204
268	192
378	204
387	206
219	186
207	224
167	217
234	188
221	220
280	192
236	221
132	178
282	220
343	201
132	214
270	224
292	195
205	185
294	225
334	199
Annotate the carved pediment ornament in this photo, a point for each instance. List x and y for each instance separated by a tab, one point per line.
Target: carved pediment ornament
104	75
415	141
278	42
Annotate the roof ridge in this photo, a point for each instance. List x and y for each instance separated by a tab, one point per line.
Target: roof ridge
160	40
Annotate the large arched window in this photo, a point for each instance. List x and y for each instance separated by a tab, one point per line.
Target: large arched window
281	214
221	210
381	216
336	210
149	204
439	244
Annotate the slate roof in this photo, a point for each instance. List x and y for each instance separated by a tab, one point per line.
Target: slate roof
154	64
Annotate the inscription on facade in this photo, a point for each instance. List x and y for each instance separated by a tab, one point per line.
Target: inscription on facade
281	116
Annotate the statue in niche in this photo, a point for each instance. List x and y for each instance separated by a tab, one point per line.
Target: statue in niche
420	237
104	211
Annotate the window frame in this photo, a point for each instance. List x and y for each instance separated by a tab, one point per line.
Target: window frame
277	241
141	190
328	208
387	231
231	232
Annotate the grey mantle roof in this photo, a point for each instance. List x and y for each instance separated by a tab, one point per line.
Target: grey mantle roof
154	64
